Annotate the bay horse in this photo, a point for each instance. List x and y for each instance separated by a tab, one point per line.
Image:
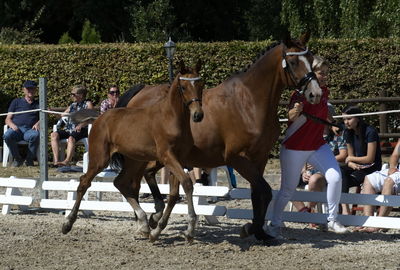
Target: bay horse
157	132
241	123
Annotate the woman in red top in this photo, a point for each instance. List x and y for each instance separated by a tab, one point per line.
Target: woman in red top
304	143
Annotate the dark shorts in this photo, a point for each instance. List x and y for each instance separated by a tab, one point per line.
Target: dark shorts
354	178
76	135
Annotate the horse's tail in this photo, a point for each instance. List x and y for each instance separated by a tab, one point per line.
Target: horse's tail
117	161
85	115
128	95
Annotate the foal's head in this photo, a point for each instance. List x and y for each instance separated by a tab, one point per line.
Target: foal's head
191	87
297	62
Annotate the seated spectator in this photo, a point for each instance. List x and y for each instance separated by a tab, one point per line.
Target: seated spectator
71	131
112	99
364	152
386	182
23	126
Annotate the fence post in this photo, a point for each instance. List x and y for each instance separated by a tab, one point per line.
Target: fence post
382	117
43	135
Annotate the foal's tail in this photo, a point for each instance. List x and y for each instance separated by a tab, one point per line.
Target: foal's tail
85	115
117	161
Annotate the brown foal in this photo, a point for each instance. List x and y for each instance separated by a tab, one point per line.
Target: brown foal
157	132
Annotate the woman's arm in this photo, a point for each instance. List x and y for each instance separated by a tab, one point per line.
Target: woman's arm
369	158
341	157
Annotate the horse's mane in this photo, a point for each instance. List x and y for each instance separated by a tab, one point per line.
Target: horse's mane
259	55
128	95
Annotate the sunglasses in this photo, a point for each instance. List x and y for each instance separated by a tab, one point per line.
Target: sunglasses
113	92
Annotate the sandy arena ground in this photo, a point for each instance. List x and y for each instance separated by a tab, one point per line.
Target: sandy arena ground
33	240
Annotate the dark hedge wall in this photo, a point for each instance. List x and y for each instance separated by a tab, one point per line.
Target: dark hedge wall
359	68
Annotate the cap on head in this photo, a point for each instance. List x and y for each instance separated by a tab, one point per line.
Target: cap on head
29	84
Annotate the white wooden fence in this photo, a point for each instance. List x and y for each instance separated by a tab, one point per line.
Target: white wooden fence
349	198
13	194
200	195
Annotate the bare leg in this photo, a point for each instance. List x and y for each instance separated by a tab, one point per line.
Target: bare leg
55	139
70	151
316	183
386	190
368	189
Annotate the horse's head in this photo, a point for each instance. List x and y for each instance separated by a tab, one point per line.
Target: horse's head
191	87
297	63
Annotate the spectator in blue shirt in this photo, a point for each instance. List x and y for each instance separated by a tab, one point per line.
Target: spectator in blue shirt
363	148
23	126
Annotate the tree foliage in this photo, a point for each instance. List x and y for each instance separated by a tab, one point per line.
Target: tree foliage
193	20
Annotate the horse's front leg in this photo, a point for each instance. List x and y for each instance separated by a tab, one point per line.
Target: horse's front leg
84	184
261	196
174	166
128	183
159	205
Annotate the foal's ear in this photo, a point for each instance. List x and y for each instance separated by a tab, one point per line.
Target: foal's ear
198	65
182	67
305	38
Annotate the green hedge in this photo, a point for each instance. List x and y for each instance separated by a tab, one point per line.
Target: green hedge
359	68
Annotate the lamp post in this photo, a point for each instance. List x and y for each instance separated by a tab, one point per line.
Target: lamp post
169	47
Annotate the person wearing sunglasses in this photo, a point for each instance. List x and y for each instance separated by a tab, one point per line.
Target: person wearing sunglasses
112	99
71	131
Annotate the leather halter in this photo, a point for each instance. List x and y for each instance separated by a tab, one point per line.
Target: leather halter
302	84
192	80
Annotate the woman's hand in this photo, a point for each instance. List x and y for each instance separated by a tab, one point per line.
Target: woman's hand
354	165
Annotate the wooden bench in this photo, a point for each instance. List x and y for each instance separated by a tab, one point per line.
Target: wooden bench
348	220
13	194
200	194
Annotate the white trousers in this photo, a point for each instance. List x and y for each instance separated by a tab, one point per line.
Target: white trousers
292	161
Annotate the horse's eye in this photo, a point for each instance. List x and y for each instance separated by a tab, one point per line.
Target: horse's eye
183	88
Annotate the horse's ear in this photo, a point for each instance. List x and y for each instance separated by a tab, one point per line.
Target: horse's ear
305	38
198	65
182	67
287	39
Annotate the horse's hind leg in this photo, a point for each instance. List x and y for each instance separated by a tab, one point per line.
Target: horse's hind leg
97	162
159	205
128	183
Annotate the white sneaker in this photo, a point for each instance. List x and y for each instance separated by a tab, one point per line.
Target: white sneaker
274	231
336	226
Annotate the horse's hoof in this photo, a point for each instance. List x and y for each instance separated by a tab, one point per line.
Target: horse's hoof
245	230
188	237
66	228
263	236
153	237
152	223
144	233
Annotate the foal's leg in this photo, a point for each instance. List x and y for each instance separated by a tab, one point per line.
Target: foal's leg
128	183
98	160
172	164
159	205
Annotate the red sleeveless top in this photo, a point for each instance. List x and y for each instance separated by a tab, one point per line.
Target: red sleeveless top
310	135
